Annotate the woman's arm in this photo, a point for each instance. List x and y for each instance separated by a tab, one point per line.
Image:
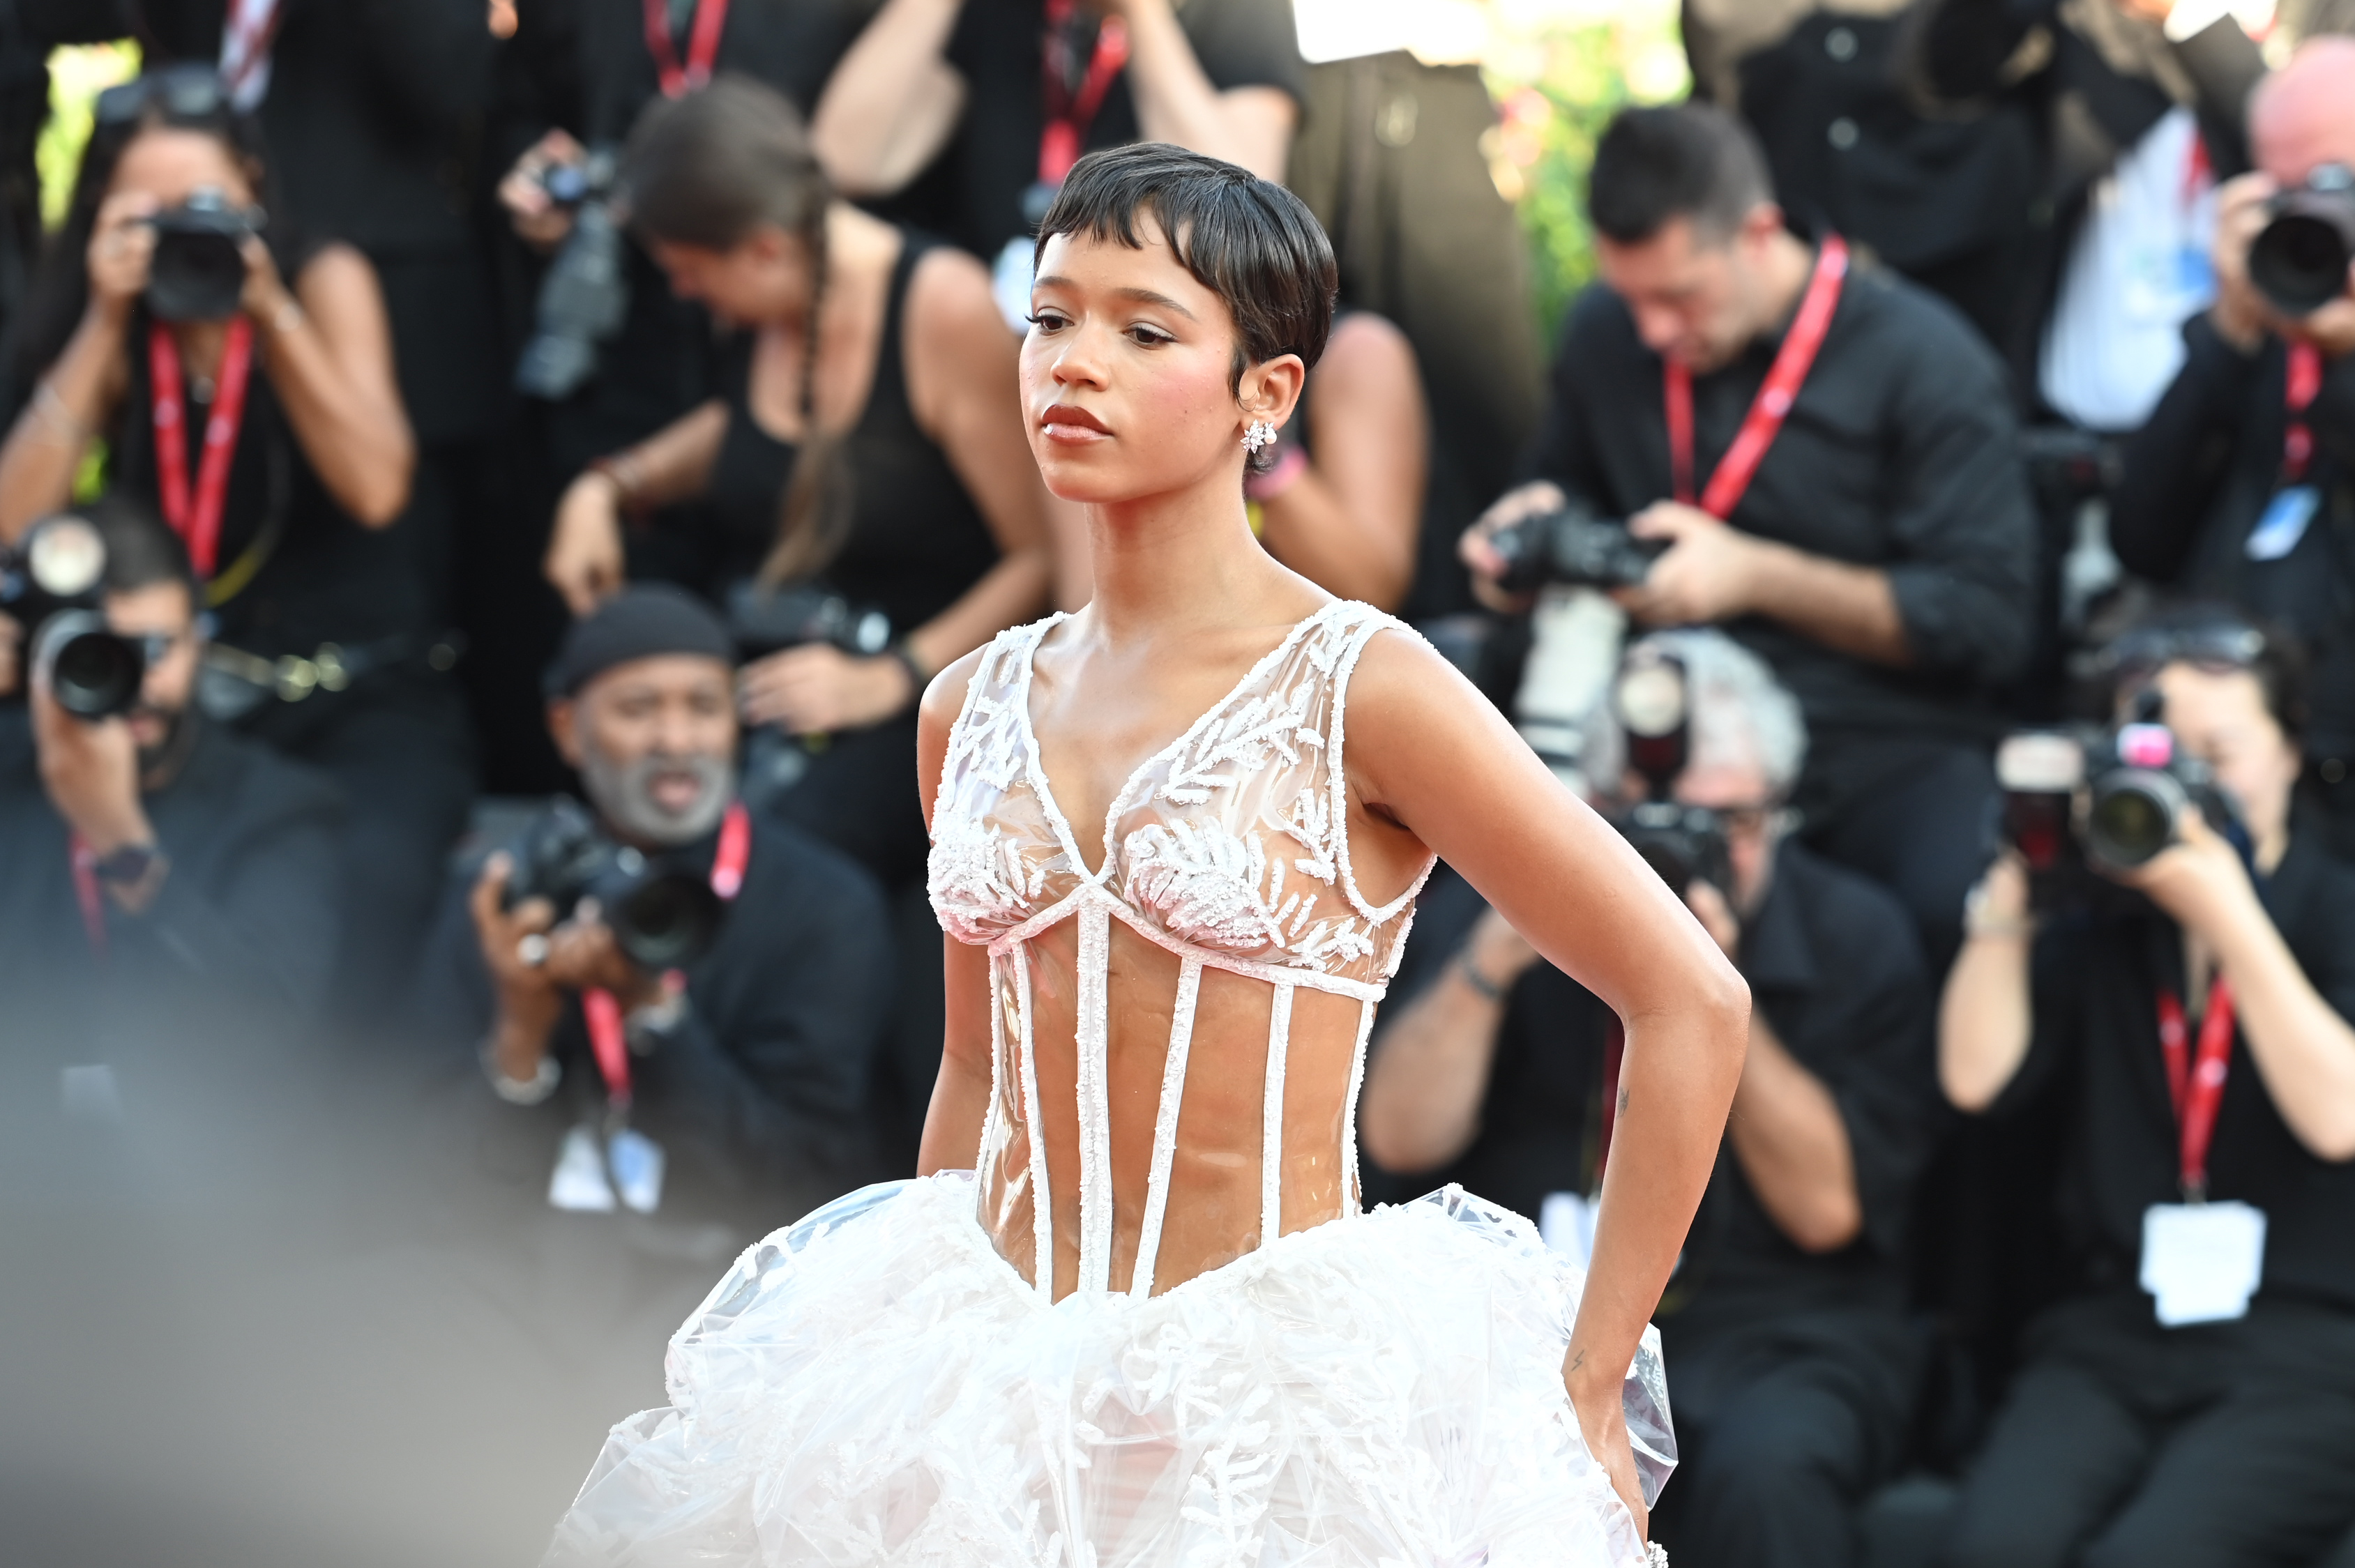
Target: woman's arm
1176	101
962	385
1348	524
327	349
1435	766
961	1093
584	561
1986	1018
888	107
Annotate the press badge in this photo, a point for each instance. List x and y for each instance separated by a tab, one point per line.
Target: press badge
2283	522
2203	1261
636	1162
578	1183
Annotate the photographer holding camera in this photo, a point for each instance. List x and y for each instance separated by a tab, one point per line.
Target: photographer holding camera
155	861
2192	1400
237	378
1821	458
2237	488
672	965
1791	1368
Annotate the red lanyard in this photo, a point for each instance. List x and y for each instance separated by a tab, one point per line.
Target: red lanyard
1791	362
199	523
608	1040
1069	113
2196	1083
2305	383
702	44
84	861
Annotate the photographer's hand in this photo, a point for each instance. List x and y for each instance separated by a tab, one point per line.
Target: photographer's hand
529	999
91	771
1480	554
1716	916
539	221
121	246
1705	576
2239	314
266	298
2199	879
584	561
1985	1015
818	688
12	640
583	955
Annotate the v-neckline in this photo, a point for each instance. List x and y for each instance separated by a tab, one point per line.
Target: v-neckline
1037	767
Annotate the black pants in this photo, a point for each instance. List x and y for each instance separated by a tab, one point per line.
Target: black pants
1911	814
2124	1445
1784	1422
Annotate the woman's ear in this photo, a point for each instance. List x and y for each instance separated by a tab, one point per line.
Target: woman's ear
1270	389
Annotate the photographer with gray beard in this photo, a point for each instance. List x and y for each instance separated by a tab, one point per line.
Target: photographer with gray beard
731	1083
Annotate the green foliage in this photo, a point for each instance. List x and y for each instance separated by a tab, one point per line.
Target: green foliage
77	75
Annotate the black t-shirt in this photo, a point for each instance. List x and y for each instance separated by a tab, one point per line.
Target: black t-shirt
996	49
1900	453
763	1088
1833	968
2096	1039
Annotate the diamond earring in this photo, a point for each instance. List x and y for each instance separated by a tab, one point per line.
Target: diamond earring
1261	434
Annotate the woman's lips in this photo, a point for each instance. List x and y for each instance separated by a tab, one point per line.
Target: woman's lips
1072	426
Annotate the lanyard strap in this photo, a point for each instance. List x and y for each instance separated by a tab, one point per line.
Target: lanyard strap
199	522
84	861
1791	362
702	44
1070	112
2196	1083
2304	383
602	1011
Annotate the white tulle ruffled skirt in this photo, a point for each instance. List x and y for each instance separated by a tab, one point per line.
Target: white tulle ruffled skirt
875	1385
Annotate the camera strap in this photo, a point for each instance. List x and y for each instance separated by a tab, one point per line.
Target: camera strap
702	44
197	520
2196	1082
1781	388
1071	109
2303	384
602	1011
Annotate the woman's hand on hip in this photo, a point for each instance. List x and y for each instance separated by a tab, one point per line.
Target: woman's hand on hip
1602	1423
584	560
818	688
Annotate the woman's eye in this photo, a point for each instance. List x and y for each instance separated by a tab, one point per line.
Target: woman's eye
1149	337
1044	321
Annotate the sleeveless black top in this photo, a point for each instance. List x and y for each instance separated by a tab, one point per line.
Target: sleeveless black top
294	570
916	541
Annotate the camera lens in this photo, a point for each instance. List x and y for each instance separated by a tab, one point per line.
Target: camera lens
2299	261
666	921
93	673
2133	817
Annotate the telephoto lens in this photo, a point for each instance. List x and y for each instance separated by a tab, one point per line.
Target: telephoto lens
2299	260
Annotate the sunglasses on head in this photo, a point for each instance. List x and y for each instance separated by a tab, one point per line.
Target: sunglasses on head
2213	649
181	91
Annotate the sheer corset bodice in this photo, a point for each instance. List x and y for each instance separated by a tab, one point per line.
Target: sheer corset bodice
1183	1031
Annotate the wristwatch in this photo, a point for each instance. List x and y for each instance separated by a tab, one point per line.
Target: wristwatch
127	866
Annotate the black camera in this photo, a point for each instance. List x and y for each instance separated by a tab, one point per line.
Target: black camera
197	273
766	621
51	583
1572	545
662	917
586	295
2299	260
1683	843
2077	799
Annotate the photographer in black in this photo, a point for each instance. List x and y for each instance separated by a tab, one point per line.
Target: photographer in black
161	868
2192	1400
737	1028
238	378
2238	489
1823	459
1791	1369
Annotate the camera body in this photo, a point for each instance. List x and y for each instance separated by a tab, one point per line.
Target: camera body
2086	797
52	584
197	273
1683	843
586	294
662	917
765	621
2299	260
1574	546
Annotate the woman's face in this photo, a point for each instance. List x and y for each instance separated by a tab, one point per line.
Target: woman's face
761	279
1127	374
170	165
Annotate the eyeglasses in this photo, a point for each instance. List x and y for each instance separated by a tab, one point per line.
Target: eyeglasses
2215	649
188	91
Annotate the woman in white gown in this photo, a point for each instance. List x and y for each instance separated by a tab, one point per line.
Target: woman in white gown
1132	1316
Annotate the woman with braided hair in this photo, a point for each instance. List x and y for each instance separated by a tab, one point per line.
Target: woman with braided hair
870	445
1133	1313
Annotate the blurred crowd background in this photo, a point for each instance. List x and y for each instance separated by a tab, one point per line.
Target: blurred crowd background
485	485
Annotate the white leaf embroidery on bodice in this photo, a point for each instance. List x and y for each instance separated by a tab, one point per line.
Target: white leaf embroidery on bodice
1228	848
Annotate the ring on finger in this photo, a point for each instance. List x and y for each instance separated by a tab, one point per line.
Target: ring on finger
532	950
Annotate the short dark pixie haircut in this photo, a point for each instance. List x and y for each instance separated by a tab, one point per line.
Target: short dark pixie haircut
1248	240
1688	161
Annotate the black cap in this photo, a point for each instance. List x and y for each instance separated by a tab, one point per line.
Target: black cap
641	622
